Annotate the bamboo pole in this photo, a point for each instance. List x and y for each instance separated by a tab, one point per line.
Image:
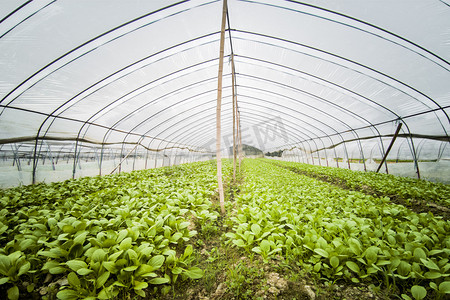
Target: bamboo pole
240	136
218	109
234	117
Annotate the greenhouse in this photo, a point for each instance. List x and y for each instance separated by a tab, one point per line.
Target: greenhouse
240	149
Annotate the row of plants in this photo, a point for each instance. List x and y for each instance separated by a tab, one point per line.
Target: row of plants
340	235
379	183
104	237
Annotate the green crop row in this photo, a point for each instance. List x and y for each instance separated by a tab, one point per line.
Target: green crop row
378	183
341	235
107	236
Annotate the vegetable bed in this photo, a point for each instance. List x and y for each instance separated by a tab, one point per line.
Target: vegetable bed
103	237
341	235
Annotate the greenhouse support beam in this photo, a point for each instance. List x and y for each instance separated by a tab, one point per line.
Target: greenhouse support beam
390	146
123	159
218	109
234	100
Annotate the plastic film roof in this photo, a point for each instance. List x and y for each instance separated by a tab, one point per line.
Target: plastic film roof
145	72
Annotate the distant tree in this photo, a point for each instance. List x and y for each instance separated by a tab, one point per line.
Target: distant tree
275	153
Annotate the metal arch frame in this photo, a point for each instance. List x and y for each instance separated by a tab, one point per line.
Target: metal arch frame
200	138
293	118
322	112
296	118
188	131
317	120
18	9
252	117
372	127
92	40
142	107
406	125
362	73
87	122
145	120
178	123
383	75
114	73
358	28
126	117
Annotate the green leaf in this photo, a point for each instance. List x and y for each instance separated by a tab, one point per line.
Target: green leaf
98	255
139	285
418	292
321	252
159	280
353	266
430	264
239	243
419	253
57	270
371	255
230	235
194	273
101	280
176	237
84	271
13	293
156	262
24	244
257	250
114	256
110	266
4	280
122	234
188	251
265	246
444	287
130	268
75	264
73	280
177	270
48	254
433	275
406	297
125	244
256	229
334	261
355	246
67	295
76	250
80	238
132	255
24	268
145	271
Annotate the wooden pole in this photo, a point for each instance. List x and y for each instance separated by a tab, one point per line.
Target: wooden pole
234	117
390	146
240	136
218	109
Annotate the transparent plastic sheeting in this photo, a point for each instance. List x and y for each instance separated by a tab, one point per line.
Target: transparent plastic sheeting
123	85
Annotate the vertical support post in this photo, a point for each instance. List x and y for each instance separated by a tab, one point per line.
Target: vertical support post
218	109
240	136
390	146
234	116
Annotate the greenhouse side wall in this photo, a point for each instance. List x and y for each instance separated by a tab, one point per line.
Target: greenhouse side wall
16	169
433	159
